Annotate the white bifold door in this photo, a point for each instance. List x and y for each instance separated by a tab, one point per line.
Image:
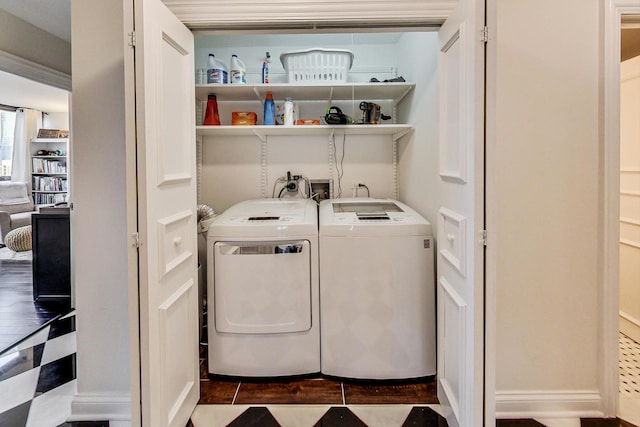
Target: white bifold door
165	117
460	247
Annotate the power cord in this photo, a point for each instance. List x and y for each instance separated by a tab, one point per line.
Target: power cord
360	185
340	164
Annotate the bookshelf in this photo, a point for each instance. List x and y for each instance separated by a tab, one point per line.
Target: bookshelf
49	169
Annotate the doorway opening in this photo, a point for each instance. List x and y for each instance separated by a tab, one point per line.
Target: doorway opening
618	15
34	171
390	169
629	235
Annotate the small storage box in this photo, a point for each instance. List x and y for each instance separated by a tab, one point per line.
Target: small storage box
317	65
243	118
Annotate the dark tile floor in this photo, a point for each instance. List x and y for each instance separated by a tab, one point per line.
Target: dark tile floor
19	315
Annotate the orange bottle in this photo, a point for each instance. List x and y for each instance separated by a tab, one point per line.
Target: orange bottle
211	117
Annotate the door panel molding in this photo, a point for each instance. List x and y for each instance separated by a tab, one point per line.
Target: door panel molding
453	142
176	321
452	230
175	239
454	316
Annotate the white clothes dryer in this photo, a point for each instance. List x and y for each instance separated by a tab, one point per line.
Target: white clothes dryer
376	290
262	287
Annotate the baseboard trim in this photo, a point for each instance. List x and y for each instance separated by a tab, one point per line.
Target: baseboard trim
629	326
101	407
549	404
629	318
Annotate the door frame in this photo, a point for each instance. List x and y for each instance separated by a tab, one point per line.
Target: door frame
610	184
242	20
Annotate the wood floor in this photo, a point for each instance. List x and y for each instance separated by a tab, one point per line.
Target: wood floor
19	315
317	391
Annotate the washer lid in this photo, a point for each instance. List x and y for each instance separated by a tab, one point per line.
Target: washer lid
267	217
370	217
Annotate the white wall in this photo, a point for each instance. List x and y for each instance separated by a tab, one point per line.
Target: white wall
373	53
56	121
418	152
546	206
99	219
24	40
630	198
232	165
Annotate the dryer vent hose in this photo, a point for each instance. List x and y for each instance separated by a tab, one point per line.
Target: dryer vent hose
205	212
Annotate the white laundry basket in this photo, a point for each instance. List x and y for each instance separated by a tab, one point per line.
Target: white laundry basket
317	65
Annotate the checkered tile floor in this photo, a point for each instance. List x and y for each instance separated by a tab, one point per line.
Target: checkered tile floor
38	377
317	416
629	367
38	383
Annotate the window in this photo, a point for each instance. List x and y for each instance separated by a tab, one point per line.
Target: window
7	125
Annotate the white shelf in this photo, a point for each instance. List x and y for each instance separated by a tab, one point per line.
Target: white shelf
65	140
48	157
396	130
49	197
308	92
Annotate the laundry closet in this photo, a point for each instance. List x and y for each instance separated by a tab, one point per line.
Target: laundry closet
397	158
427	155
393	72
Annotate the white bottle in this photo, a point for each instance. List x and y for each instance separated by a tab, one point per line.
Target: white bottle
237	71
288	112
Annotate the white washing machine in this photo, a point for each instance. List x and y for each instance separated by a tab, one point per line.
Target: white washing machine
376	290
262	287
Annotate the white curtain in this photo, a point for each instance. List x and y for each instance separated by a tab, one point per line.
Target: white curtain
27	124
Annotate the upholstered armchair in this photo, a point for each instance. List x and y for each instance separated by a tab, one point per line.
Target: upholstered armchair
16	207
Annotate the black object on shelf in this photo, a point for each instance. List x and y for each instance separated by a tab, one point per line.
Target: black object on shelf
51	256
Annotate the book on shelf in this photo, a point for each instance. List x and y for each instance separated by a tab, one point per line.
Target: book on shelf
49	198
49	166
49	183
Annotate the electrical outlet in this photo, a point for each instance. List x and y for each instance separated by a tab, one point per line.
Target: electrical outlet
321	189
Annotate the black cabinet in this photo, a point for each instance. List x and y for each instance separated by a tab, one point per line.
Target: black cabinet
51	256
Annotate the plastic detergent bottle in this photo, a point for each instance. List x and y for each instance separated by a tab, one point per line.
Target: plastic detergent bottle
211	116
269	110
217	71
288	112
237	71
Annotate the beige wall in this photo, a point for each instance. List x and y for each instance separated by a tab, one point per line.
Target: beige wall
99	233
546	205
26	41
